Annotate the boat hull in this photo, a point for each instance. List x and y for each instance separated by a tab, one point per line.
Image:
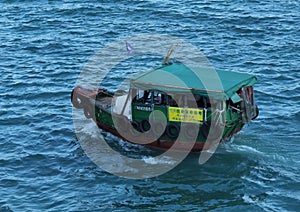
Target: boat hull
96	103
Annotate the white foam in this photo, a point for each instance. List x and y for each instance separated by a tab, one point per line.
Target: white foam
158	160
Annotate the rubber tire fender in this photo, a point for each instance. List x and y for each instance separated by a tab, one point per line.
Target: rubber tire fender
136	127
170	129
191	131
158	128
144	125
205	128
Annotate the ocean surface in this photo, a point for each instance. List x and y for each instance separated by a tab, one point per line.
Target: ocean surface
46	44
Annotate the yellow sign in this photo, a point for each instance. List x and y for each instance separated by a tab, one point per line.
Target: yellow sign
191	115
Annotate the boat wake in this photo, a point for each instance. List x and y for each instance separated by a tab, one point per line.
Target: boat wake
163	160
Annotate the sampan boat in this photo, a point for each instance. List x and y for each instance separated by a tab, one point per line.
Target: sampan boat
173	104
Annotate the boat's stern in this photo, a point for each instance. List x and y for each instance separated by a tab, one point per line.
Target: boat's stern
249	108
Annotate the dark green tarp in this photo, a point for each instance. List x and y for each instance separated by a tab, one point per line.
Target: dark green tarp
203	81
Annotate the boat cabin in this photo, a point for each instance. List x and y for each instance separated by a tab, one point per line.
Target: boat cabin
191	95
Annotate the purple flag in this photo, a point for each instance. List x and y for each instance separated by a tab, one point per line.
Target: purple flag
129	48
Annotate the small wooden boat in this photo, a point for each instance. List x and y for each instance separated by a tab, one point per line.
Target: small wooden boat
172	106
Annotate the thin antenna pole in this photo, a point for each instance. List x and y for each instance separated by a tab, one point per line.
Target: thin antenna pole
170	52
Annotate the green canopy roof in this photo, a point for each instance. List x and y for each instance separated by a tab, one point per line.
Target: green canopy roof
200	80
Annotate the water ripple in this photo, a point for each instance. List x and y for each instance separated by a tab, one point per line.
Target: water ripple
45	45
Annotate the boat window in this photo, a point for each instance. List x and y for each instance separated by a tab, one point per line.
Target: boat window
147	97
195	101
139	95
206	102
159	98
143	96
214	103
182	100
171	101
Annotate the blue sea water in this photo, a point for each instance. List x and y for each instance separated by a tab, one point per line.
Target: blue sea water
45	45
